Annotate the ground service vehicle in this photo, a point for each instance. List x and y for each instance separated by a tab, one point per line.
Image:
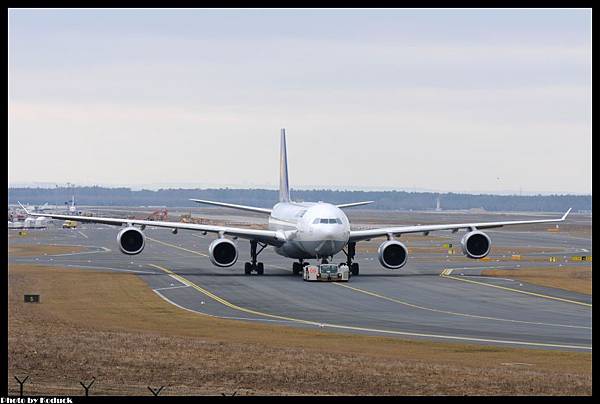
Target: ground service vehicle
326	273
69	224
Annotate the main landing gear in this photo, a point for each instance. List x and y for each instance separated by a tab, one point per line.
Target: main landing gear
350	256
298	267
253	265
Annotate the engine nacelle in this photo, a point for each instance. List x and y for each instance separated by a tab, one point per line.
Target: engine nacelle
223	252
476	244
392	254
131	240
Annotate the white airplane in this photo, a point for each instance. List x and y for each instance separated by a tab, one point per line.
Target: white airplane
301	230
41	208
72	208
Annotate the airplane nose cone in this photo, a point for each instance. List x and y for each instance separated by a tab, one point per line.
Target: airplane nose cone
332	239
330	234
330	247
335	233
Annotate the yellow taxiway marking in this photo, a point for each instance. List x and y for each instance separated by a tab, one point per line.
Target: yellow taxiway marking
391	299
176	246
347	327
447	276
225	302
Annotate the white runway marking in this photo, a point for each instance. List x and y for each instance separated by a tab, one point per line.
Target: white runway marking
82	234
224	317
173	287
104	249
111	269
178	281
490	267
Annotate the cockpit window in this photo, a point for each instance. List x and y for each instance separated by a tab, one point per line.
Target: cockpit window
327	221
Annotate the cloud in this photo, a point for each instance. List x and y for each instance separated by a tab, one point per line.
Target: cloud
384	103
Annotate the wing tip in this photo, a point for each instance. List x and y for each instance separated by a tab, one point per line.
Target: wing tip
352	204
566	214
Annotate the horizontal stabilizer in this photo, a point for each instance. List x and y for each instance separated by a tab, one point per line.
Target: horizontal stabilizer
233	206
349	205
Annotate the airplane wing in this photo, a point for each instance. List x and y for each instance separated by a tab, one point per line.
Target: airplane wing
349	205
358	235
270	237
234	206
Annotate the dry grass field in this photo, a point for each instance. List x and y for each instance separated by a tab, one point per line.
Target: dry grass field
113	327
573	278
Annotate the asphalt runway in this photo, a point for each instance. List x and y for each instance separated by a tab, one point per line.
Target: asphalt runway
434	297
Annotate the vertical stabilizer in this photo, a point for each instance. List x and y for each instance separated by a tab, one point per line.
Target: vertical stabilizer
284	189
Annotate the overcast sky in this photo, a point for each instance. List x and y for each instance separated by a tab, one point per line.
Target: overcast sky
447	100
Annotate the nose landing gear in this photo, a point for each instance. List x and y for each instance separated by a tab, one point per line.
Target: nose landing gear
253	265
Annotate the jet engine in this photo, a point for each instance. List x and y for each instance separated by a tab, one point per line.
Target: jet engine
392	254
476	244
223	252
131	240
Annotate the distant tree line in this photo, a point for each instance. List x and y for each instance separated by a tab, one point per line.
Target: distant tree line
386	200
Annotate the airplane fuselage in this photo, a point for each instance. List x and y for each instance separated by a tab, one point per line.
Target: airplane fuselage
321	229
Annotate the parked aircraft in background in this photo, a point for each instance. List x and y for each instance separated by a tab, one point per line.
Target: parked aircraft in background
301	231
40	208
72	208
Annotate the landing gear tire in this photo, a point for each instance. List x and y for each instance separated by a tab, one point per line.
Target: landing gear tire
259	268
354	268
296	268
253	265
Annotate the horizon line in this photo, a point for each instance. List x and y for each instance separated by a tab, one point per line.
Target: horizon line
157	187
